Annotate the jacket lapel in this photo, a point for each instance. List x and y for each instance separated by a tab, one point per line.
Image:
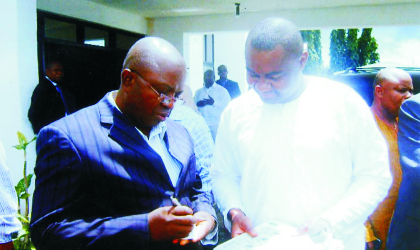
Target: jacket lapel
124	133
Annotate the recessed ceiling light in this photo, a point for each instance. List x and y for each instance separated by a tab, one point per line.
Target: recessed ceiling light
182	10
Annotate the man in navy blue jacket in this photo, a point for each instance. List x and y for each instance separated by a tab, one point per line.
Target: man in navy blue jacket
231	86
112	175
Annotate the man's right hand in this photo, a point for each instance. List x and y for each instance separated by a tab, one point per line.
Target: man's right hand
205	102
168	223
241	224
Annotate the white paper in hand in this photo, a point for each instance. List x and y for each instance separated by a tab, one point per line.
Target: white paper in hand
191	235
271	235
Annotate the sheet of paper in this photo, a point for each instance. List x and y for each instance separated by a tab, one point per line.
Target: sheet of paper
271	235
192	234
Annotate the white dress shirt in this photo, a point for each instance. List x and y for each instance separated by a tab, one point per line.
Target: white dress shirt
221	99
157	143
320	156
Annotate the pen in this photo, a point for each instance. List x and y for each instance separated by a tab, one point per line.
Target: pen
175	201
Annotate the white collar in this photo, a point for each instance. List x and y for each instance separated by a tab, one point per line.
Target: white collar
158	130
55	84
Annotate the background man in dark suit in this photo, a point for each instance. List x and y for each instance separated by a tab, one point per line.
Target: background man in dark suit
51	99
405	225
231	86
107	175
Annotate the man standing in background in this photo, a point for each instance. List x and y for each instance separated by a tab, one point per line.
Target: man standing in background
51	99
231	86
211	100
391	87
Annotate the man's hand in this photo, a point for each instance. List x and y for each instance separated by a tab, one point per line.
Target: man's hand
205	225
205	102
241	224
169	223
373	245
316	229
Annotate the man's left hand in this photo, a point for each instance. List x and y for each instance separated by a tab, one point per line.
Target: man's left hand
204	226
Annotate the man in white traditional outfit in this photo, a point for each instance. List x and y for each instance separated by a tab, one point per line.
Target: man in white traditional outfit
211	100
301	150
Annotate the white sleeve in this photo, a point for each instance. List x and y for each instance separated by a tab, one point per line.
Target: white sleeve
225	174
196	96
8	202
371	170
224	99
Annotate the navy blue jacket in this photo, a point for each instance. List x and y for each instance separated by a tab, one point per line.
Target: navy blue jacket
232	87
47	105
404	231
97	179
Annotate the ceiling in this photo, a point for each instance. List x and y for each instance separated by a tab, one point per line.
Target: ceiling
171	8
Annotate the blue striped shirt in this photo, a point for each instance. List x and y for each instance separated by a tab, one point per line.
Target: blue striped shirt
8	202
203	143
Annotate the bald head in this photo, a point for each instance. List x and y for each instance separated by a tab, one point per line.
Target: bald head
390	76
271	32
392	87
152	54
153	74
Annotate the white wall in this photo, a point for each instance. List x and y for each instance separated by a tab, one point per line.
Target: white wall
18	78
193	54
342	17
97	13
227	44
19	63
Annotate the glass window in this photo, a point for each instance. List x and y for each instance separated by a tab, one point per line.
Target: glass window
60	30
96	37
125	42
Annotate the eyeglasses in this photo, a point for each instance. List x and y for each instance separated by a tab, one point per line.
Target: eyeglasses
162	98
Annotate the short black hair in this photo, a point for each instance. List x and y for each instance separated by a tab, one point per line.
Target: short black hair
221	66
271	32
209	71
50	63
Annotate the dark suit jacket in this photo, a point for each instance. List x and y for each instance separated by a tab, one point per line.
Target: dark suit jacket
404	232
47	105
232	87
97	179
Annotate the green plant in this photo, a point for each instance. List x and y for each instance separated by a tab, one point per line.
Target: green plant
23	241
